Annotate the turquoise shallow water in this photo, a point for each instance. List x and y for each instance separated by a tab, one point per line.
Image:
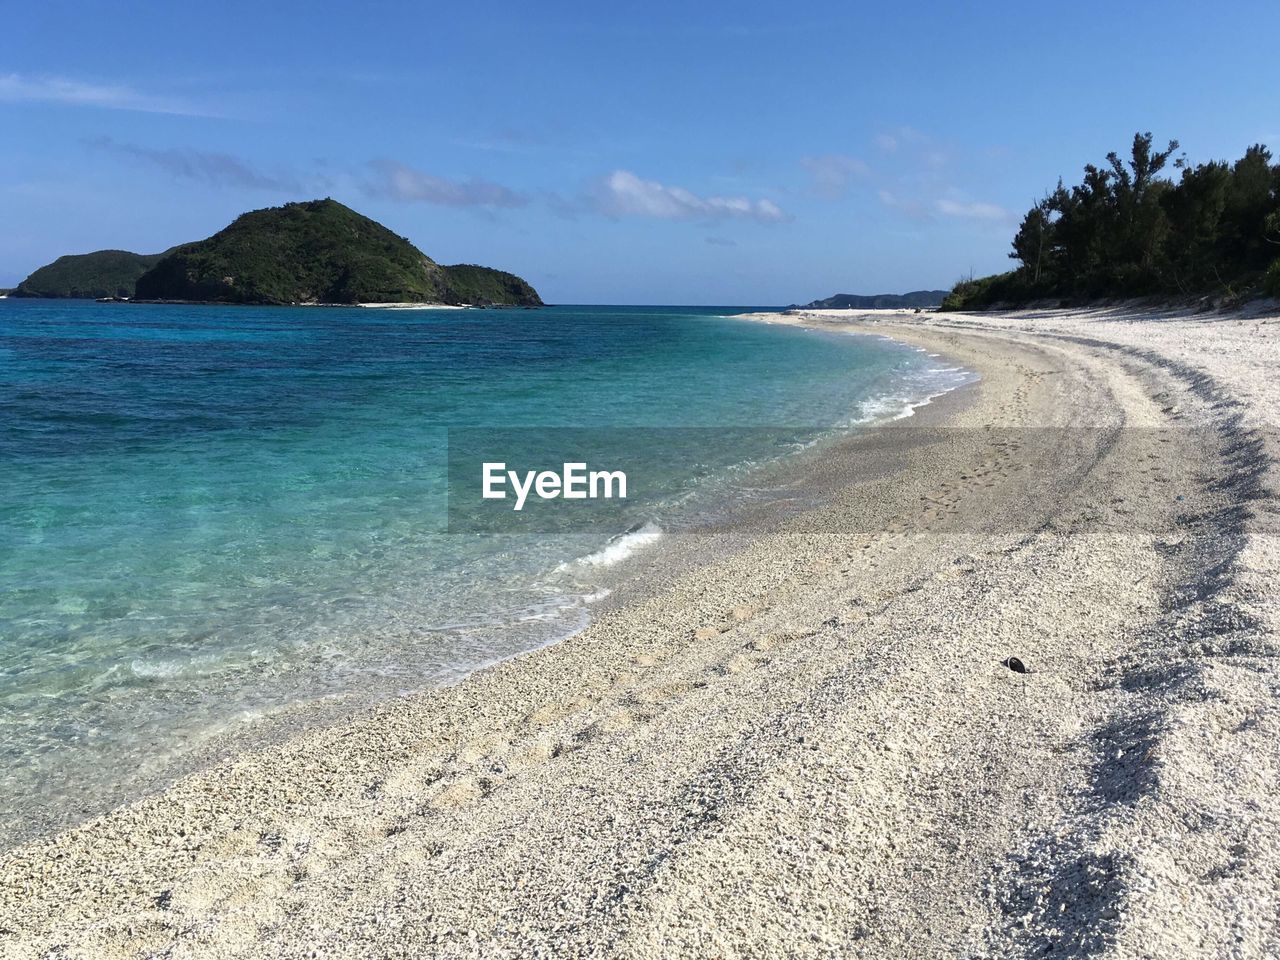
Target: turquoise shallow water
207	514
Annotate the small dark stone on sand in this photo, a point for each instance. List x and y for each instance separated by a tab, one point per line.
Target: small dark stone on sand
1016	665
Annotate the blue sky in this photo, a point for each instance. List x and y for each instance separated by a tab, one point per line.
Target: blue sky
727	153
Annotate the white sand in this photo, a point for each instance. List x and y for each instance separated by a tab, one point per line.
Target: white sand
416	306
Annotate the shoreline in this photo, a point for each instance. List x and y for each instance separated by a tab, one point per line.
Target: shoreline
389	305
775	486
397	305
803	736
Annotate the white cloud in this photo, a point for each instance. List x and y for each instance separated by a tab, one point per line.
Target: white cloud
832	172
622	194
972	210
925	210
399	182
17	88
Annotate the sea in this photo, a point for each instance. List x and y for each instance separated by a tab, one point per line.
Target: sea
211	515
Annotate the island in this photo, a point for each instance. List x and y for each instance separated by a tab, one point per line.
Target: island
313	252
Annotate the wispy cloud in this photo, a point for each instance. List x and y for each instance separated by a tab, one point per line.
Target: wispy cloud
395	181
391	180
832	172
217	169
972	210
925	210
721	242
19	88
623	194
920	181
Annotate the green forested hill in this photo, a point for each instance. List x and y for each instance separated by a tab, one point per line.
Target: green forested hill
320	251
468	283
104	273
1128	229
315	252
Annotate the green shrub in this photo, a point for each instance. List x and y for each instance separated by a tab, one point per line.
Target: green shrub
983	293
1271	282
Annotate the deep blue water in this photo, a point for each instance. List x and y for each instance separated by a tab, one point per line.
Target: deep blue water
209	513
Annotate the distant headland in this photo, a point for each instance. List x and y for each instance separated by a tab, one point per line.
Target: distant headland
86	276
877	301
316	252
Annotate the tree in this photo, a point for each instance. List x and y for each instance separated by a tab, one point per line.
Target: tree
1249	201
1033	239
1194	211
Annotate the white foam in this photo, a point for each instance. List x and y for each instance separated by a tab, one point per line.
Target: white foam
157	669
937	382
884	408
619	548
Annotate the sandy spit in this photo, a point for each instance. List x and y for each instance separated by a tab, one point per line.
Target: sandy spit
412	305
812	744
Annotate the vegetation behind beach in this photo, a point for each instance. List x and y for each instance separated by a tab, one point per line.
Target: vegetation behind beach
1128	229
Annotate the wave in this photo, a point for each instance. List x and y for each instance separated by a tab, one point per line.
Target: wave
886	408
618	548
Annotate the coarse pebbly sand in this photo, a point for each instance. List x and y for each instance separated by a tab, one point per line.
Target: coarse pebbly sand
808	743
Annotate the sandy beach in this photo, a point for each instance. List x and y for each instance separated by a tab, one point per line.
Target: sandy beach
805	738
415	306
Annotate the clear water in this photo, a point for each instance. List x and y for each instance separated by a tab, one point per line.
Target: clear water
207	514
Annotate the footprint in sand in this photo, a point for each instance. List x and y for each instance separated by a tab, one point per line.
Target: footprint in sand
475	750
661	694
619	721
549	713
411	781
540	751
734	665
458	794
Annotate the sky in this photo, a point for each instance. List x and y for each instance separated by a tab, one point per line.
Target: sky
688	153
